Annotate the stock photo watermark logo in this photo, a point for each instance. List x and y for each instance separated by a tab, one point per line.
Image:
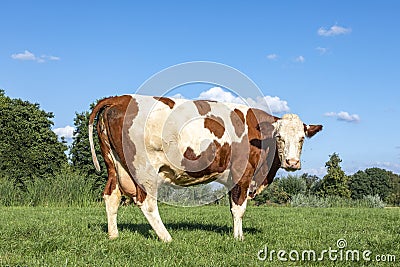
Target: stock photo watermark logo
338	253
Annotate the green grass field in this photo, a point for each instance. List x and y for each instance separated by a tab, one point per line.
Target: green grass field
53	236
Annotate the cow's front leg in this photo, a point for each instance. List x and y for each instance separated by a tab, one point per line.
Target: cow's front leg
237	211
150	210
112	204
241	175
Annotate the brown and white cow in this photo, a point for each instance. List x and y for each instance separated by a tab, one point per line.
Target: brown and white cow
146	141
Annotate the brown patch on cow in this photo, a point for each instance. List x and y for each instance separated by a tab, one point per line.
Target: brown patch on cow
251	156
241	170
167	101
105	151
107	110
269	165
203	106
215	159
115	117
215	125
237	119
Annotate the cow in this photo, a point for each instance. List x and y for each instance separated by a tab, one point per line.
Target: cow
147	141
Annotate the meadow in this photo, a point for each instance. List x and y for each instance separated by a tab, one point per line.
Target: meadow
202	236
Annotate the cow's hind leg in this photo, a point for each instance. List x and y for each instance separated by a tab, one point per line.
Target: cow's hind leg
112	203
150	210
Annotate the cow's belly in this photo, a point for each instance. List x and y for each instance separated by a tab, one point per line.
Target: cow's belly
182	178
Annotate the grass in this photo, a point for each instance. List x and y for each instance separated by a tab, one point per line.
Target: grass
70	236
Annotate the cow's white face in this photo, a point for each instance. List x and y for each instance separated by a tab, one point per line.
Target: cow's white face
290	133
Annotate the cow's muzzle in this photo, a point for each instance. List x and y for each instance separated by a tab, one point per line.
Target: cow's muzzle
291	164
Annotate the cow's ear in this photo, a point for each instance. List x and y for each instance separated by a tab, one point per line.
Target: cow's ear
311	130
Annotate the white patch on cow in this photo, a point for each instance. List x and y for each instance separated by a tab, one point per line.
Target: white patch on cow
112	203
146	135
290	135
224	111
237	215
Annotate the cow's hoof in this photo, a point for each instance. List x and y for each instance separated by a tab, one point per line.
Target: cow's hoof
111	237
239	238
167	239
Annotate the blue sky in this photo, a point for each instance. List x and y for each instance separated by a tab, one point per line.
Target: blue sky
331	62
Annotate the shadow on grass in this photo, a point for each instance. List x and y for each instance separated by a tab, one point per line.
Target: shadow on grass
145	229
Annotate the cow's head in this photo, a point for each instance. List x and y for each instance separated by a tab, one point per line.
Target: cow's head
290	132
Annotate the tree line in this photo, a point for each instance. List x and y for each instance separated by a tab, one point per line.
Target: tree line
372	182
32	154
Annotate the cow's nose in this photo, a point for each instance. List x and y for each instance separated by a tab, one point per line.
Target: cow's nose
293	163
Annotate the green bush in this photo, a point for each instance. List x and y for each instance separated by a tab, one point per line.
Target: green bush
312	201
281	190
64	189
372	201
10	195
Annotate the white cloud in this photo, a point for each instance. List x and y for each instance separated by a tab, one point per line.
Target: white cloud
179	95
67	132
334	30
272	56
322	50
218	94
394	167
300	59
268	103
330	114
344	116
54	58
320	172
24	56
27	55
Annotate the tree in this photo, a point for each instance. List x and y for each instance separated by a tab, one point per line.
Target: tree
380	182
360	185
29	149
313	183
335	182
80	155
372	181
273	194
293	185
394	195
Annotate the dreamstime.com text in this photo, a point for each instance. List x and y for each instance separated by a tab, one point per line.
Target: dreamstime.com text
338	253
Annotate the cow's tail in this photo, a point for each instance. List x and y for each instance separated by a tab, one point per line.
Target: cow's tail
96	110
